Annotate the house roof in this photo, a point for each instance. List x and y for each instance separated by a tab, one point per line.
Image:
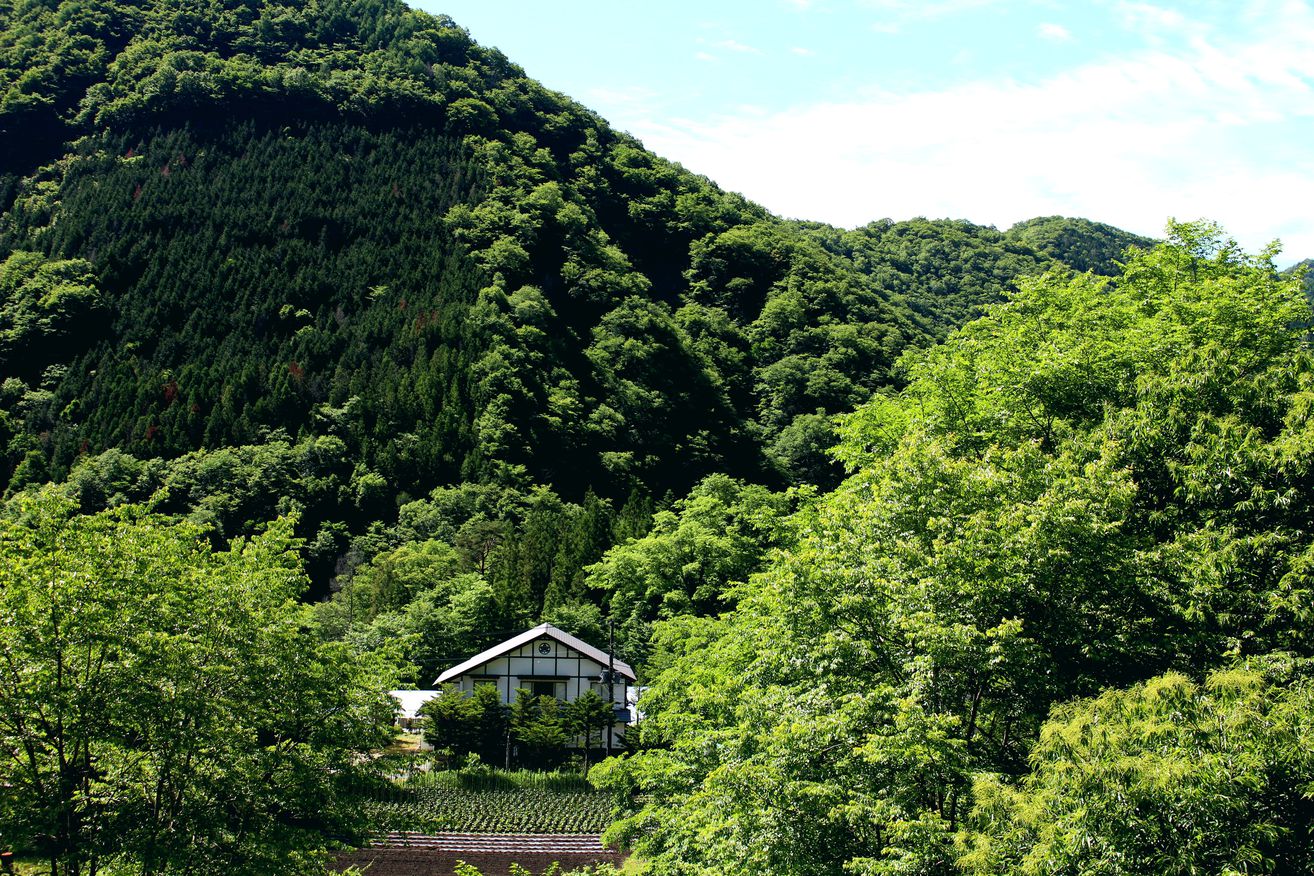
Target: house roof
527	636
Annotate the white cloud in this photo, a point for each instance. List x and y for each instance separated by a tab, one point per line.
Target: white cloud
1140	16
896	15
628	96
924	10
1205	130
736	46
704	56
802	52
1055	32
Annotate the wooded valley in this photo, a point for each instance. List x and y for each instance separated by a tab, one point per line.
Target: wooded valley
334	349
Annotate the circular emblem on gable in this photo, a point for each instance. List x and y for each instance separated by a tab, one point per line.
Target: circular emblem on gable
545	648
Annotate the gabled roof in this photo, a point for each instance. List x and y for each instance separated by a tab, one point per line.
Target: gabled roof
527	636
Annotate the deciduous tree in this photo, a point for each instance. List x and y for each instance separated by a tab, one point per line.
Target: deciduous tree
163	704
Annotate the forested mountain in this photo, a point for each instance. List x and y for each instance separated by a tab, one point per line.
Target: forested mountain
1080	243
334	257
1304	268
937	544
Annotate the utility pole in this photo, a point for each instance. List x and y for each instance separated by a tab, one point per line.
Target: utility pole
611	679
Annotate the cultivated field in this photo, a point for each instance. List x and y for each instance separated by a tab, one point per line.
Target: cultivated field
494	802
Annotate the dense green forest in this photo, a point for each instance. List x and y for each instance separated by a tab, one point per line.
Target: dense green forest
341	261
1057	619
900	522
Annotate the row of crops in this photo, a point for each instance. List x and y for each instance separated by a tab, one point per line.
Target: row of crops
566	781
437	803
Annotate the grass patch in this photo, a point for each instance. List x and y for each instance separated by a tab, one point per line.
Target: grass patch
406	743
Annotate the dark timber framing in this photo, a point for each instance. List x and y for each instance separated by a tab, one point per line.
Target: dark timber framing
546	654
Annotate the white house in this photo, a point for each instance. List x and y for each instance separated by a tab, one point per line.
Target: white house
408	704
548	661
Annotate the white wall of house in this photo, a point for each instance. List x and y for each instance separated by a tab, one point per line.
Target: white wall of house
545	665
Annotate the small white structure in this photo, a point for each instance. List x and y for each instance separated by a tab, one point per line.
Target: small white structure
632	703
548	662
408	704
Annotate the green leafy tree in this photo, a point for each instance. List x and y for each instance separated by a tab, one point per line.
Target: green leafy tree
164	706
584	536
524	568
1171	776
448	622
581	619
45	306
478	540
1094	484
688	563
393	579
538	727
493	724
451	722
589	713
464	724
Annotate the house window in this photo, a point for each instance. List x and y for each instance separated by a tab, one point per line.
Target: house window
549	688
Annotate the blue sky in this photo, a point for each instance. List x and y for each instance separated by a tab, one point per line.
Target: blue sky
846	111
